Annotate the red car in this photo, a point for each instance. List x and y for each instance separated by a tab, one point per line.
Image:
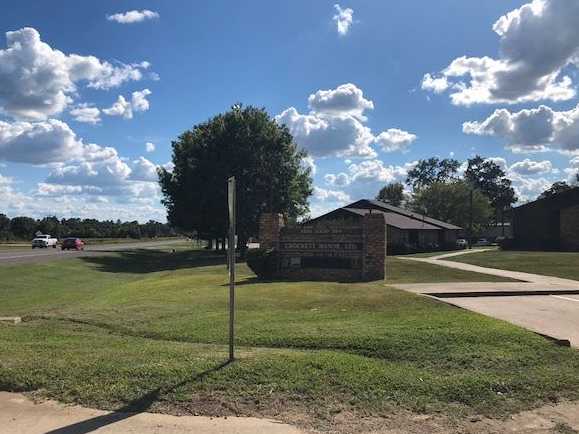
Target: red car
72	243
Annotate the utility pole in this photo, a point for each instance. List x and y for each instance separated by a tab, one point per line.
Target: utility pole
231	262
471	218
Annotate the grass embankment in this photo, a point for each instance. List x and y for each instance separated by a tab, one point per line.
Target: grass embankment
146	330
558	264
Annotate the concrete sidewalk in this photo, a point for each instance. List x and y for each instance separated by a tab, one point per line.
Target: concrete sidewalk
517	275
543	304
19	415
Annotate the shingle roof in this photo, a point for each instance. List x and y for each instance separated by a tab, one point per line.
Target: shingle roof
376	204
397	220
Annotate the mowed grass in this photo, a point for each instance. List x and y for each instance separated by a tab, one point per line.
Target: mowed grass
558	264
400	270
147	330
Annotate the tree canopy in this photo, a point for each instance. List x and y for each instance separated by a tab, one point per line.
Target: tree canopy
450	202
427	172
488	177
392	193
555	189
244	142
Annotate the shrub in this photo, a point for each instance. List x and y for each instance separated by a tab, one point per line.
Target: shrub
263	262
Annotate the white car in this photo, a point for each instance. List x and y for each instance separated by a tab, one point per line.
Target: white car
44	241
461	243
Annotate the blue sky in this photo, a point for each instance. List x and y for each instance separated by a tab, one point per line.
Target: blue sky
367	88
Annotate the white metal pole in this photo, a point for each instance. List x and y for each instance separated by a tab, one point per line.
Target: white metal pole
231	261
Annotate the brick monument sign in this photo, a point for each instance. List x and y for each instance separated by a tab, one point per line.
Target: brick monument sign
327	250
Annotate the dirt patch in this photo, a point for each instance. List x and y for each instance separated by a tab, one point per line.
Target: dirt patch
328	418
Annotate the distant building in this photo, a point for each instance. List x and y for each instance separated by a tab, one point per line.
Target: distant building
551	223
406	230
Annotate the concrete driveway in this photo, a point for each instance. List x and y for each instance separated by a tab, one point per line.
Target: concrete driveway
543	304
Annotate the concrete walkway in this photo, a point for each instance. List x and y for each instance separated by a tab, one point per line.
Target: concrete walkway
544	304
517	275
19	415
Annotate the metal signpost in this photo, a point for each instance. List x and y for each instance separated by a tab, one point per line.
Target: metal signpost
231	261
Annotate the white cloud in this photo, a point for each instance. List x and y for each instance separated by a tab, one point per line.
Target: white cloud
325	135
124	108
144	170
38	142
345	99
339	196
531	130
336	125
530	167
343	19
436	85
37	81
376	171
86	114
149	147
394	139
133	16
339	180
528	188
47	142
538	41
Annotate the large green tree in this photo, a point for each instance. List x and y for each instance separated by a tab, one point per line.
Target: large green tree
450	202
244	142
427	172
490	179
392	193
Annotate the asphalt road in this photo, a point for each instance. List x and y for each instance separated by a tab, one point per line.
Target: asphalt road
18	255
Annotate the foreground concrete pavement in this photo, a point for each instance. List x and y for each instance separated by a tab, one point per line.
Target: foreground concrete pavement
543	304
19	415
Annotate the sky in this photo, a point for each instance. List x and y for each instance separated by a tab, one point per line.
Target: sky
93	93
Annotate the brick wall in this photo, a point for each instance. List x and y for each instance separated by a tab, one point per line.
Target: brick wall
374	261
270	225
363	242
570	228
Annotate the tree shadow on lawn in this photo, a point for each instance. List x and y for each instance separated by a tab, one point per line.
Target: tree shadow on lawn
139	405
150	261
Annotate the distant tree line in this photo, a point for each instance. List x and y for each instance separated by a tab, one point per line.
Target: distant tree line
24	228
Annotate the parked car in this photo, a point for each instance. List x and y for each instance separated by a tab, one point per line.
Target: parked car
482	242
72	243
461	243
44	241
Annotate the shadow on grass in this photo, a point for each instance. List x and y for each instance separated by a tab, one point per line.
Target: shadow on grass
149	261
133	408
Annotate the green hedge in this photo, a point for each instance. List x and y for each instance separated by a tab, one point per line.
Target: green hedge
263	262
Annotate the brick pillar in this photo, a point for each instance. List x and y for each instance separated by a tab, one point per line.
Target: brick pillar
270	225
374	260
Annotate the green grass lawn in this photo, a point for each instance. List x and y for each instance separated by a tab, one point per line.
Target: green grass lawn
147	330
404	271
558	264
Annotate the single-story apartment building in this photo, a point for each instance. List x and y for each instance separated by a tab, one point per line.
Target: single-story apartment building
551	223
405	229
